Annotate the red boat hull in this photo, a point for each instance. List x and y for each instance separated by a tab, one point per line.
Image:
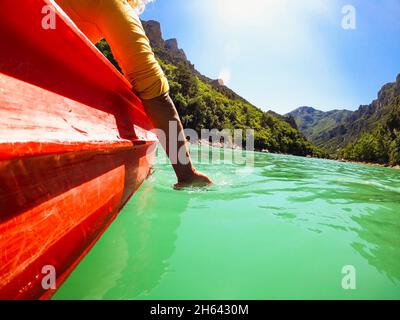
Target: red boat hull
75	144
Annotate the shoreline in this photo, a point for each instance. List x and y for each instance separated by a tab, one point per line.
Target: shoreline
371	164
218	145
221	145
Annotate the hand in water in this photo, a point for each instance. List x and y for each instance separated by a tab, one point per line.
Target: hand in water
198	179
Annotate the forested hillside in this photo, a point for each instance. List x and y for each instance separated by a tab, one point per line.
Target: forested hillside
206	104
315	124
382	144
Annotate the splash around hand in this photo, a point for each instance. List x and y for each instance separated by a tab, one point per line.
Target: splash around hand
197	179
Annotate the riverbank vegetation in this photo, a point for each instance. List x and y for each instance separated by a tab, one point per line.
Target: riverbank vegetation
382	145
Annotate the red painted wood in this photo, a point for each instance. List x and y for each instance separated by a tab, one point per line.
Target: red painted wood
74	146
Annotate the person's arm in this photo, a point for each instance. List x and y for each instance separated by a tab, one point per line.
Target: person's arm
124	32
162	111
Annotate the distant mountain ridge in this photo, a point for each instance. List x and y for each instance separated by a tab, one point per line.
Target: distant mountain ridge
153	32
316	123
339	129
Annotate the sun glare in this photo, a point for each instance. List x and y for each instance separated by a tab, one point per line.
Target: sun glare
237	12
267	12
224	77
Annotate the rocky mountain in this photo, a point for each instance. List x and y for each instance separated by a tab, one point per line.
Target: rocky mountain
172	46
377	129
205	103
339	129
169	51
369	134
154	33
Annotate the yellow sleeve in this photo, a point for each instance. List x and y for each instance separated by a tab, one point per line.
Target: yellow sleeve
123	30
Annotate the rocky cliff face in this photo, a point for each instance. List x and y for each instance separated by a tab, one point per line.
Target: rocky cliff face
153	32
313	122
287	118
169	51
172	46
398	85
206	103
336	129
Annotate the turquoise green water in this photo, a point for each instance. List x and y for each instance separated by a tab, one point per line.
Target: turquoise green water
283	230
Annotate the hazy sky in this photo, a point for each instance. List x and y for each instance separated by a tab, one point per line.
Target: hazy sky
281	54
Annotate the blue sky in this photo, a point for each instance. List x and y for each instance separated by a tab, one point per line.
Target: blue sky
281	54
